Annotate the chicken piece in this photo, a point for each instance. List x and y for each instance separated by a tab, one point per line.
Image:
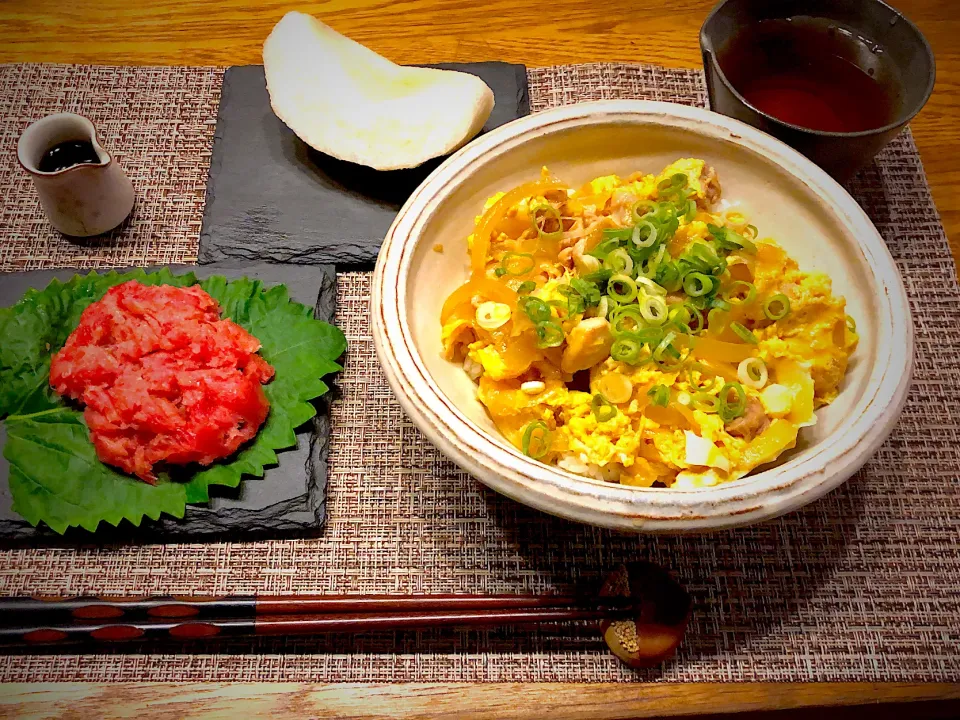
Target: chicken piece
711	187
621	206
753	421
584	263
587	344
574	233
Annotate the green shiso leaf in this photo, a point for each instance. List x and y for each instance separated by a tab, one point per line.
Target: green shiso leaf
55	475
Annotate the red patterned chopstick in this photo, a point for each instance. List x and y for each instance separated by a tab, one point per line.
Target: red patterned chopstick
35	621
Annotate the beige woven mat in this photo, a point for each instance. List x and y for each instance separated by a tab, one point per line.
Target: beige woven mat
862	585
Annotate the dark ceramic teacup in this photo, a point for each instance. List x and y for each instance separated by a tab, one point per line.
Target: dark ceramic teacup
889	35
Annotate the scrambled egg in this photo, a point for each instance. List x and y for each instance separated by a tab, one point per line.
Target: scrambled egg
719	388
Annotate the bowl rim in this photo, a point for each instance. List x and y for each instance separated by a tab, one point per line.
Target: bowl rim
754	498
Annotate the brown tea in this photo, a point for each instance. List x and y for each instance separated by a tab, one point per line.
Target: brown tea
812	73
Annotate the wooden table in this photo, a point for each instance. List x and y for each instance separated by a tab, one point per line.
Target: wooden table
230	32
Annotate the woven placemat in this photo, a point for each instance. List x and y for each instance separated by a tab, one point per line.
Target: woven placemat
862	585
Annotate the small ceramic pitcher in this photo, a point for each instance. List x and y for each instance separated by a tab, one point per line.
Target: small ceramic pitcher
82	200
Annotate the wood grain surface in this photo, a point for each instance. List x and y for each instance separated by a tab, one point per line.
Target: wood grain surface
230	32
475	702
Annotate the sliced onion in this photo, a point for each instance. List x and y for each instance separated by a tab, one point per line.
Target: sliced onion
753	372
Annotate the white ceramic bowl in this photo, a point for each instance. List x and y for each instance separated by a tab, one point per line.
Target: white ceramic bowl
783	193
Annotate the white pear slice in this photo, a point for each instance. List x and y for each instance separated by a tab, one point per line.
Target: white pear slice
345	100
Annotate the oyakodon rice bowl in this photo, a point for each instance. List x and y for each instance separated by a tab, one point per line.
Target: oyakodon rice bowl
425	259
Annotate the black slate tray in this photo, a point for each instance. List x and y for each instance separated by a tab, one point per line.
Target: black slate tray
272	197
291	495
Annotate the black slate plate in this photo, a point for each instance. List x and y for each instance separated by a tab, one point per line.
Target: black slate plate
290	496
270	196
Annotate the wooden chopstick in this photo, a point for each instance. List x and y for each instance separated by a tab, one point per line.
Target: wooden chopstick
194	628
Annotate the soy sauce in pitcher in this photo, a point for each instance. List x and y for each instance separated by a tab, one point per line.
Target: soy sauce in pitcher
812	73
67	154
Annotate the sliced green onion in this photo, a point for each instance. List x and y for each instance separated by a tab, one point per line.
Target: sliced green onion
603	307
603	409
650	264
696	284
732	410
622	288
705	402
687	263
527	286
653	308
679	316
691	211
754	233
678	313
627	348
740	293
491	315
668	276
851	324
588	291
744	333
604	247
753	372
644	239
659	395
549	334
650	287
777	307
649	335
562	306
535	309
747	245
542	212
598	277
672	362
619	261
575	301
695	321
700	385
621	233
664	346
647	206
705	254
730	240
536	440
514	263
621	316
